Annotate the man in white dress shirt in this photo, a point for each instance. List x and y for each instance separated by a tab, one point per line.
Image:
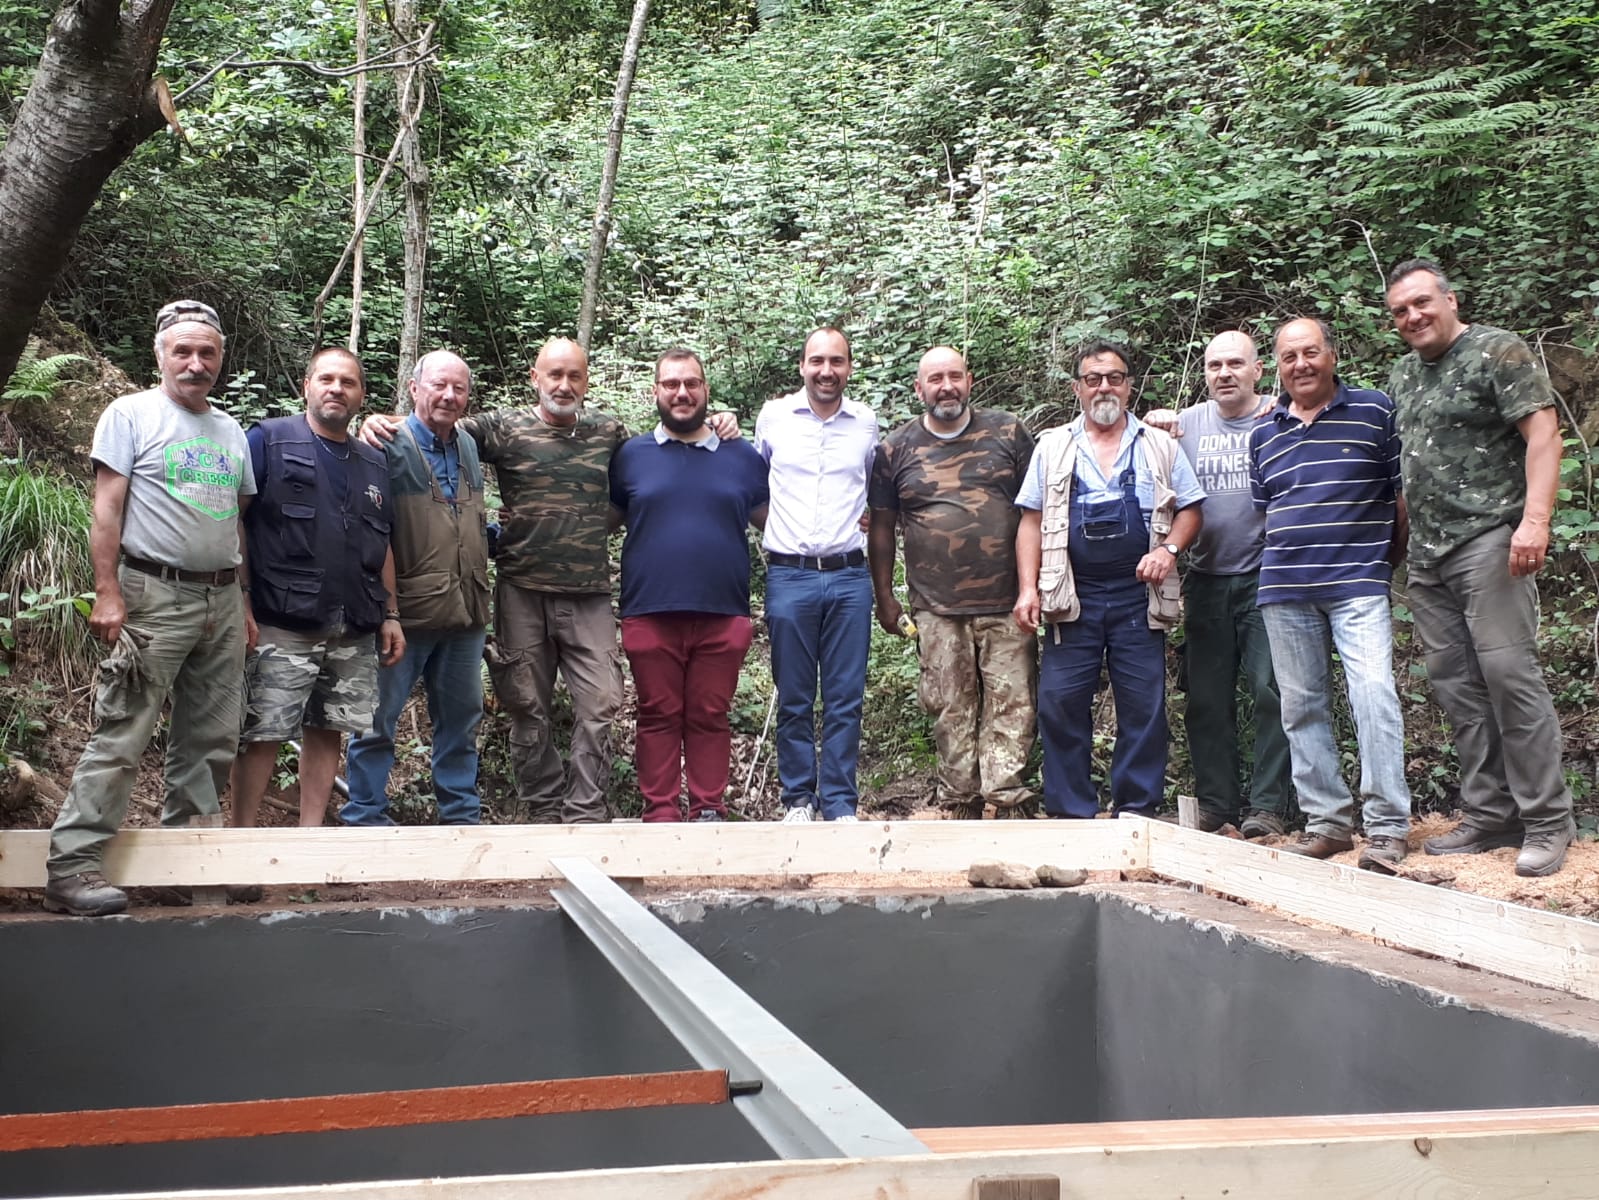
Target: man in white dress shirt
819	444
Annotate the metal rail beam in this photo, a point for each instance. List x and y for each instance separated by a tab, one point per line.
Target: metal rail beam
805	1107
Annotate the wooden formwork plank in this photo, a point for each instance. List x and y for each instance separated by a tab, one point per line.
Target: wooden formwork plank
1222	1130
1548	1165
460	854
1494	935
358	1110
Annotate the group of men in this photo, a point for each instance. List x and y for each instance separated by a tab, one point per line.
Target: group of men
362	567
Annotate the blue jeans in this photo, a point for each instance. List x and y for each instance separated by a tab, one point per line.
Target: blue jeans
450	667
820	625
1303	636
1113	630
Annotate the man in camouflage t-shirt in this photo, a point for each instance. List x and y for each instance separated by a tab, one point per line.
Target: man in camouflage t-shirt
949	480
552	595
1481	464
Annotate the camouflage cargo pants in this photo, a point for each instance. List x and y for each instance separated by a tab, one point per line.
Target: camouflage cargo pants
978	683
186	639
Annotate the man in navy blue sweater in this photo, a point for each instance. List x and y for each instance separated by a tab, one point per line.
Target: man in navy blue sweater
686	498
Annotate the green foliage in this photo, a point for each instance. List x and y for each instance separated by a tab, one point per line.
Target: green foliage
36	379
45	574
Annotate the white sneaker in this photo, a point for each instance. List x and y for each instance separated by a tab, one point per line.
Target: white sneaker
800	814
847	819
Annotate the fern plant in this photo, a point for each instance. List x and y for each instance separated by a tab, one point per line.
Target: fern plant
36	379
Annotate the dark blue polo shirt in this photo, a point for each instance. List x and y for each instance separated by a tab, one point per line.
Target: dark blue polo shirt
1329	491
687	506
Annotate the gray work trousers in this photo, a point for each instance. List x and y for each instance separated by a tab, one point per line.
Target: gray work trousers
186	639
534	634
1479	626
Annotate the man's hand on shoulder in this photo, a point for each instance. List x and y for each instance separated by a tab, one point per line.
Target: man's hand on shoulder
1163	419
725	426
378	429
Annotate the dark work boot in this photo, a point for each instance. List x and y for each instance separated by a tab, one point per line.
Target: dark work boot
85	894
1261	823
1543	852
1382	854
1321	845
1468	839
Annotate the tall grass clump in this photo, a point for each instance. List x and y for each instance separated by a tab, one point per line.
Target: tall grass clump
44	563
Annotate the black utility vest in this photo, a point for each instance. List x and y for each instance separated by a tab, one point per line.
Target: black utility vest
311	556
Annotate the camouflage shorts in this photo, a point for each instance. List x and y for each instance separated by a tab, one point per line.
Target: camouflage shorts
293	679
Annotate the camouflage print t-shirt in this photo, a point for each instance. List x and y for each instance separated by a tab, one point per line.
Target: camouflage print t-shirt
957	509
1464	461
555	496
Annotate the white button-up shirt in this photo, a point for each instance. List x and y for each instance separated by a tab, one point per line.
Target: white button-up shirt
819	472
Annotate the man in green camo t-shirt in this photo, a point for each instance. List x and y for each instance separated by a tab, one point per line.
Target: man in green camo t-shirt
552	595
1481	464
947	481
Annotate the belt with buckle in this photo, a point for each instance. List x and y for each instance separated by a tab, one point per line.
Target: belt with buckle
826	562
162	571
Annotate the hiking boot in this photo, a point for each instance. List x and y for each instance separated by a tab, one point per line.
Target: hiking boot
799	814
1468	839
1321	845
1543	853
1383	854
1261	823
245	893
1210	822
85	894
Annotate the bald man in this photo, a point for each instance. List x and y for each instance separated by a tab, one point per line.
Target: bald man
441	561
1226	637
947	480
552	596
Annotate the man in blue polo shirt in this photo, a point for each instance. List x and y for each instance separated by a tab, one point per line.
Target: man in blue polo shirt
686	498
1324	468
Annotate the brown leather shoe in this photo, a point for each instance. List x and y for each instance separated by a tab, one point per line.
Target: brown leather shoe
1321	845
1383	854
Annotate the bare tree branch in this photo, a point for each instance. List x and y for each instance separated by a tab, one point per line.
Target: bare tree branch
376	63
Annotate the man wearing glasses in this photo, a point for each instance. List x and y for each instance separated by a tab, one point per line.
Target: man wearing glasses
172	475
1107	506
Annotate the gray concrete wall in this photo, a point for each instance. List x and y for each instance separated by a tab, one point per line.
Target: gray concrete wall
101	1014
1197	1021
976	1009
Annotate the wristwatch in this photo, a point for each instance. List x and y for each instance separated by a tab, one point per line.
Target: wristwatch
1171	547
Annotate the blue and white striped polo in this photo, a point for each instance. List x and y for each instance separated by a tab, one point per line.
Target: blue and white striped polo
1329	490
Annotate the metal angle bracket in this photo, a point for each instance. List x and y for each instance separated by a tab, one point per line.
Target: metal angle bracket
805	1107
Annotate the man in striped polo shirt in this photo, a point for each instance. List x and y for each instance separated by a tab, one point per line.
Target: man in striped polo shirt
1324	468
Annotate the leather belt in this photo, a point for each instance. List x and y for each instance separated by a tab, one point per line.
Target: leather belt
826	562
162	571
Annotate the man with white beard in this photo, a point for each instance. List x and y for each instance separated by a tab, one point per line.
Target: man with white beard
1107	506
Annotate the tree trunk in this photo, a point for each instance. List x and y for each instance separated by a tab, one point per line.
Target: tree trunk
415	237
91	103
363	27
613	156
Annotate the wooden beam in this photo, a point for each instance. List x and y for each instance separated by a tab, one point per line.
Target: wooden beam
358	1110
459	854
1552	1165
1246	1130
1016	1187
1493	935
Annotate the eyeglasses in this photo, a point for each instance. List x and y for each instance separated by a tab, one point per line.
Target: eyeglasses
1093	379
180	311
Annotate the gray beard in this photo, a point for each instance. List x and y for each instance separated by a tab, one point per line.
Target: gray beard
1105	413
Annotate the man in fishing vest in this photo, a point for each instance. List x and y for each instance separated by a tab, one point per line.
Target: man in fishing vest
1107	506
321	588
441	565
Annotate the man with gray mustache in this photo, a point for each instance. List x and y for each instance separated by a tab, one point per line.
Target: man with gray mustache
172	476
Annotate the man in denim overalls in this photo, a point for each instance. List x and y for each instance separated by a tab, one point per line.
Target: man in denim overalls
1107	506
